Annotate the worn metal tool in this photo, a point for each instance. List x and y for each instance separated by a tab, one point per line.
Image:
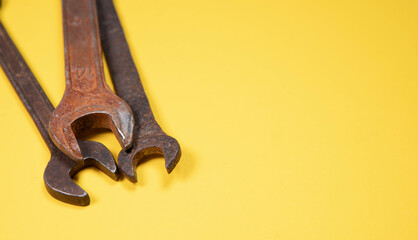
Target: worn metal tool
60	169
149	138
88	101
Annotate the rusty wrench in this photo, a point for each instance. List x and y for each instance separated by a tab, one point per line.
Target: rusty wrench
149	138
60	168
88	101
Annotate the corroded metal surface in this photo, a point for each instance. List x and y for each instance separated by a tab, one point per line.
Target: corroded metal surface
149	138
88	101
60	169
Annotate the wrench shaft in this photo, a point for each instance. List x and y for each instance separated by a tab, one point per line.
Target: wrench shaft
83	54
26	85
124	73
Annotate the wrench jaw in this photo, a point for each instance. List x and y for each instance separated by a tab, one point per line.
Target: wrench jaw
65	140
60	170
77	115
97	155
149	145
59	184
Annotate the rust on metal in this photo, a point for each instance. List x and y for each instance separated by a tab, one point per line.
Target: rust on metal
148	137
60	169
88	101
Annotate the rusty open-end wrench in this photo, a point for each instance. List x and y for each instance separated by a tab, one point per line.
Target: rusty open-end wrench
149	138
60	169
88	101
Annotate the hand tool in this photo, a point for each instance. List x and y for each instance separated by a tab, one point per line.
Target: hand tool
149	138
60	169
88	101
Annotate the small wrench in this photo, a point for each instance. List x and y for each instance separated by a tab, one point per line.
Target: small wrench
60	169
88	101
149	138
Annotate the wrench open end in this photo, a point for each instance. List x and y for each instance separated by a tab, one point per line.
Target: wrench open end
149	145
73	116
60	170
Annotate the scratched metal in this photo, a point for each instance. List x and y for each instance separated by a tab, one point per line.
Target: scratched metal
60	169
88	101
149	138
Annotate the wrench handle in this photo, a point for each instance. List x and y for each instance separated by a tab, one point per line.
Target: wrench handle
26	85
83	53
123	71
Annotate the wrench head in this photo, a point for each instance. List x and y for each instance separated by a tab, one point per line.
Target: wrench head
145	146
60	170
78	112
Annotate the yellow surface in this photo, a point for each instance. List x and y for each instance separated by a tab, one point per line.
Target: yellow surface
297	120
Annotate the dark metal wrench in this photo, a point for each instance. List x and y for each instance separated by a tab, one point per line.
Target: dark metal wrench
88	101
149	138
60	169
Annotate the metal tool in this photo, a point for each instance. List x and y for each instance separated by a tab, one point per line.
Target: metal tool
60	169
87	102
149	138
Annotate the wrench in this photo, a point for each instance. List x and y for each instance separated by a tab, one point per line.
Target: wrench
60	169
149	138
88	101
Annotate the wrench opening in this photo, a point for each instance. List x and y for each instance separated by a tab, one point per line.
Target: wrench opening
99	120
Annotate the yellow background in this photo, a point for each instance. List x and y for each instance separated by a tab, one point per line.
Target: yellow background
297	120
